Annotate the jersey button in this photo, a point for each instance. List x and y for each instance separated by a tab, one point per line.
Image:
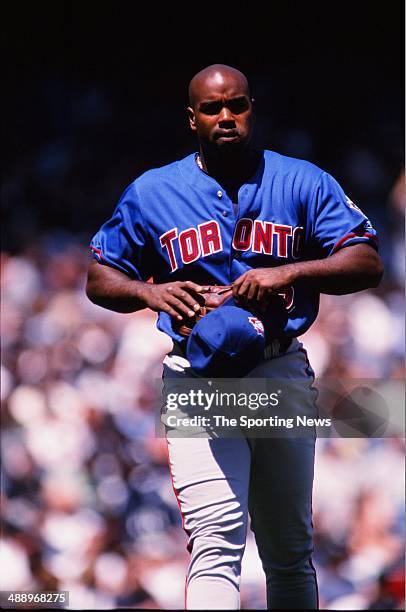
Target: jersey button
224	213
219	194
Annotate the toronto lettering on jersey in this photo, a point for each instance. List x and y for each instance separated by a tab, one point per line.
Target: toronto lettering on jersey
258	236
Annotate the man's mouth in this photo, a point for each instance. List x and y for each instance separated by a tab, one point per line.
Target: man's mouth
226	135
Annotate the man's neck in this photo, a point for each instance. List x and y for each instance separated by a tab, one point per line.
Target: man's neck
231	171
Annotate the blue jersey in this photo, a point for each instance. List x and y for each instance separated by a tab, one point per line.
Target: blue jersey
177	223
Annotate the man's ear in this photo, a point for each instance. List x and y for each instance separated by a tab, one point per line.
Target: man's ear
192	120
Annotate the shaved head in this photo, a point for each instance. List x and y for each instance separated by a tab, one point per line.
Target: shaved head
215	76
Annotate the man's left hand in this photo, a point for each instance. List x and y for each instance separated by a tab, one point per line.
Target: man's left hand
255	285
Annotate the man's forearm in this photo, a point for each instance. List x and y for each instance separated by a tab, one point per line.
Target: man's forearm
114	290
110	288
349	270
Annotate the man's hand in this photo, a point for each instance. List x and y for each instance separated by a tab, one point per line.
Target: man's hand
255	285
178	298
110	288
351	269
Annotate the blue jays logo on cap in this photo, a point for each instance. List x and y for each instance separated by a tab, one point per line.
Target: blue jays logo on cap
229	341
257	323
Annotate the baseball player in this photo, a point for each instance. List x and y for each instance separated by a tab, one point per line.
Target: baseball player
263	224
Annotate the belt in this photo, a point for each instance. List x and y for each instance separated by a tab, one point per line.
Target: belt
275	348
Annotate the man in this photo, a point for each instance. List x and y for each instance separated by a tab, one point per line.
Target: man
265	224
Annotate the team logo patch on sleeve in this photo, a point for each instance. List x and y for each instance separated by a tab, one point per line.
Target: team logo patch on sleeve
96	252
352	205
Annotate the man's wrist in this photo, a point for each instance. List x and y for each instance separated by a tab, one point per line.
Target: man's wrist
142	291
295	271
304	270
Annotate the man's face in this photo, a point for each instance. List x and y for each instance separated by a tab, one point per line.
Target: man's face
221	114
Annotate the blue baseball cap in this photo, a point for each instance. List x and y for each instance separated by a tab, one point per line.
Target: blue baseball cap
229	341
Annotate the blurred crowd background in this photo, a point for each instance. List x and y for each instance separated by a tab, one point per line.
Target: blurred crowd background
87	503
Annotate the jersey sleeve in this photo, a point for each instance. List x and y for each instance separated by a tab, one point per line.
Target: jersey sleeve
121	242
334	221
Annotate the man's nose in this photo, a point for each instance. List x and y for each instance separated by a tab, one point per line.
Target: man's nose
225	116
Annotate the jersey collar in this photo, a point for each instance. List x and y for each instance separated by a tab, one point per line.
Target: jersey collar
196	177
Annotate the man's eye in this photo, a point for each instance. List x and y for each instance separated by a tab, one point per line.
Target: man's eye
238	106
211	109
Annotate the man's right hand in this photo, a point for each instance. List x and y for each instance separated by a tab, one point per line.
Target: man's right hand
110	288
178	298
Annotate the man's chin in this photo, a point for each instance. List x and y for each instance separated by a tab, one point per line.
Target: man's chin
230	146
